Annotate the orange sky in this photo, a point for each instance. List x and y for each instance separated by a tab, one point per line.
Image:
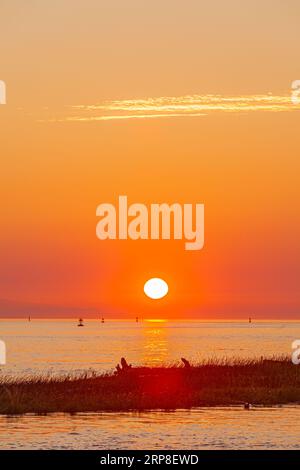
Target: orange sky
71	65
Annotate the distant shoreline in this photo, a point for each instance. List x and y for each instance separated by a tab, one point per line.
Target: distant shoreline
264	382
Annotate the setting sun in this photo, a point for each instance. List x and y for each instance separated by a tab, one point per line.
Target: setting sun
156	288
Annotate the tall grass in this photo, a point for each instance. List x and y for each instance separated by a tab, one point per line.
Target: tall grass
212	382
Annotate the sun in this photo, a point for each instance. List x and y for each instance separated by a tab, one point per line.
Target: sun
156	288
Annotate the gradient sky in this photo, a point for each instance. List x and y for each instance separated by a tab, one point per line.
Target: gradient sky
173	101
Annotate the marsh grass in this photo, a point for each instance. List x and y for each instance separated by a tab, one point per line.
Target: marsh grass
212	382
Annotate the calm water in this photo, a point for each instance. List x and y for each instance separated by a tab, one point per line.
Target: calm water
60	346
214	428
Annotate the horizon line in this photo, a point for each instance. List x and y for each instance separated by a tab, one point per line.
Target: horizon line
153	319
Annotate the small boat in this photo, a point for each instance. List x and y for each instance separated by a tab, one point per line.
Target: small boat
102	320
80	322
29	318
137	319
250	320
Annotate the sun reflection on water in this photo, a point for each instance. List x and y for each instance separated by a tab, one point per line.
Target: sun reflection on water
155	343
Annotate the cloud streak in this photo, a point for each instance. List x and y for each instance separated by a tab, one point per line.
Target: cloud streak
182	106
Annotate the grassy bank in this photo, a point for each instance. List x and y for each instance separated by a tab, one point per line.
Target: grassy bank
265	382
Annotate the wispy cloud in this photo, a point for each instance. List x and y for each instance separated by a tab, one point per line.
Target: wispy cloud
182	106
130	116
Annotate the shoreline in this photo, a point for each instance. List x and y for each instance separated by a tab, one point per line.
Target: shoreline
256	407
